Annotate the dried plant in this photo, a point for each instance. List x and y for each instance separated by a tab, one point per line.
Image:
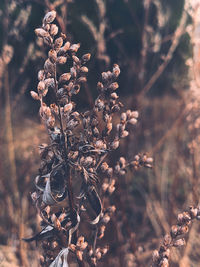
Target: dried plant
73	169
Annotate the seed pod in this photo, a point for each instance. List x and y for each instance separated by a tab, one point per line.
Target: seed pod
68	107
122	162
174	231
64	49
155	256
84	69
113	86
34	95
124	134
58	43
164	263
104	166
132	121
73	72
193	212
86	57
74	47
49	66
49	17
106	219
123	117
61	60
115	144
76	59
100	86
114	96
116	70
49	83
41	87
64	77
52	55
53	29
40	75
179	242
41	33
135	114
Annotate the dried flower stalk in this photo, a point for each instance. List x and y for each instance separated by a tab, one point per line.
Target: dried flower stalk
79	144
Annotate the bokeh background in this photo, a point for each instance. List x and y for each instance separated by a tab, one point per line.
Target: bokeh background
156	44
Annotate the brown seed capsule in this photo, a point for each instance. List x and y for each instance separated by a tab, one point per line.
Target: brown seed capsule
155	256
68	107
58	43
179	242
123	117
104	166
174	231
35	95
116	70
74	47
52	55
41	33
41	87
49	82
114	86
64	77
53	29
61	60
135	114
132	121
73	72
86	57
84	69
115	144
49	17
76	59
40	75
49	66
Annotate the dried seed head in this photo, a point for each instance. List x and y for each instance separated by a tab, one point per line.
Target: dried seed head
52	55
114	86
123	117
40	75
76	59
86	57
53	29
64	77
104	166
68	108
174	231
41	33
41	87
115	144
35	95
82	80
84	69
135	114
58	43
114	96
155	256
106	219
193	212
179	242
61	60
74	47
116	70
49	66
49	17
132	121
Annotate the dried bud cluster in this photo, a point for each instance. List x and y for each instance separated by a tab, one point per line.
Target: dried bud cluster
79	143
174	239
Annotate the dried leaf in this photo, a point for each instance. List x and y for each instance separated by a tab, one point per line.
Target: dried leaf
95	203
59	262
46	232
